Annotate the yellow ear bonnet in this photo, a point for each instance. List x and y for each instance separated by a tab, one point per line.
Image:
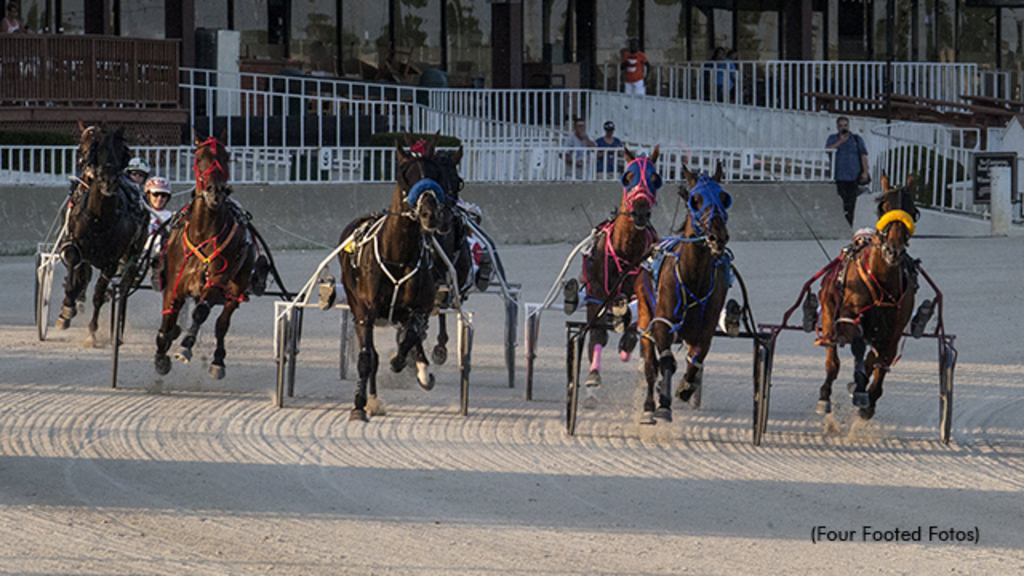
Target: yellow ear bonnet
893	215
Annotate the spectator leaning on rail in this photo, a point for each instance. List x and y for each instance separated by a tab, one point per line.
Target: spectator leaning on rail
849	165
635	66
11	24
576	157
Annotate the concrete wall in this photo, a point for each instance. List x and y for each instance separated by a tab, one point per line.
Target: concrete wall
311	215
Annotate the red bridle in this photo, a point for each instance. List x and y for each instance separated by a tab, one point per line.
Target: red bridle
203	179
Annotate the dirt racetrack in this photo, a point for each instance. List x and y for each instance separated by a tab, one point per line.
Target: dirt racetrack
182	474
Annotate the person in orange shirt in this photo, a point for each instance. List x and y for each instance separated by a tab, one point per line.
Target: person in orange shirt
635	67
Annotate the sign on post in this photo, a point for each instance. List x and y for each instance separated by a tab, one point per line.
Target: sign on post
983	164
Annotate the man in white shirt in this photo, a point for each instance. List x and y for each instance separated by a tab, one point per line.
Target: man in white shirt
576	157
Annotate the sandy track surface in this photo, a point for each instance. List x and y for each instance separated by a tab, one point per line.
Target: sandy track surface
183	474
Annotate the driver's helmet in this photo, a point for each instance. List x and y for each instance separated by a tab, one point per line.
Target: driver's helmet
138	164
158	185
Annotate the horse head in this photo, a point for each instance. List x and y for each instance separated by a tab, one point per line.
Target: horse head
640	184
419	186
708	205
103	154
211	170
896	216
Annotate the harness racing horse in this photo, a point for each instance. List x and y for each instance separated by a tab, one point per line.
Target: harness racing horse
868	298
209	256
620	246
106	222
388	273
681	292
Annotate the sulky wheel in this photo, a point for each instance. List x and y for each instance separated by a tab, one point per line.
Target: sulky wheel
947	364
762	387
43	288
465	358
283	336
574	355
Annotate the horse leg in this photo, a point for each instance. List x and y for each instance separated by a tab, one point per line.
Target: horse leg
598	340
831	372
367	363
858	388
222	327
199	315
75	283
878	369
99	296
651	376
411	339
440	352
169	332
692	379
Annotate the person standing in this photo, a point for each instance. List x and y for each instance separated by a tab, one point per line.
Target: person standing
849	165
11	24
635	67
606	160
575	141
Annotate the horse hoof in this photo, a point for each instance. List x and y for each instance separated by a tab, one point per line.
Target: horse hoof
90	341
163	365
62	323
593	379
397	363
216	371
571	293
440	354
824	407
647	418
183	355
427	383
663	414
686	391
357	415
866	413
375	406
861	400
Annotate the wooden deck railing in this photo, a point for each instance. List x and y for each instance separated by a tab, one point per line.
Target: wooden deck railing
44	70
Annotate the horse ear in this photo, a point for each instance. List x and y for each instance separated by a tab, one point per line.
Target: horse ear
400	153
684	193
885	182
196	138
81	127
223	136
458	157
719	173
690	177
654	157
910	181
408	140
629	155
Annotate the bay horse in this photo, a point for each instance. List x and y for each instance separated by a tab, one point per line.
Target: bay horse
106	222
681	296
620	246
209	257
388	273
868	299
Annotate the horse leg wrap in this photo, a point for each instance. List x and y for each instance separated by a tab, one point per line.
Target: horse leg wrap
364	364
595	364
666	362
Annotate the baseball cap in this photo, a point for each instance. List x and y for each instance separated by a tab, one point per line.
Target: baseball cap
609	125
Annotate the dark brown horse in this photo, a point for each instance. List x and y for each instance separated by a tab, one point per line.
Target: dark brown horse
680	299
388	274
209	256
609	271
868	299
106	222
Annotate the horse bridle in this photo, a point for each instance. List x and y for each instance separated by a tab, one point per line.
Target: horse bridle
204	179
712	205
643	188
414	195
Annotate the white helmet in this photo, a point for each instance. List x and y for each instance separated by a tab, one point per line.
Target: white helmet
158	185
138	164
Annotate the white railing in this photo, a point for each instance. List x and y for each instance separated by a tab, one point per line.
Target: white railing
940	155
54	165
782	84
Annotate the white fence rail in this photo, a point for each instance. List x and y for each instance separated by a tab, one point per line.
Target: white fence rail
941	156
54	165
781	84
